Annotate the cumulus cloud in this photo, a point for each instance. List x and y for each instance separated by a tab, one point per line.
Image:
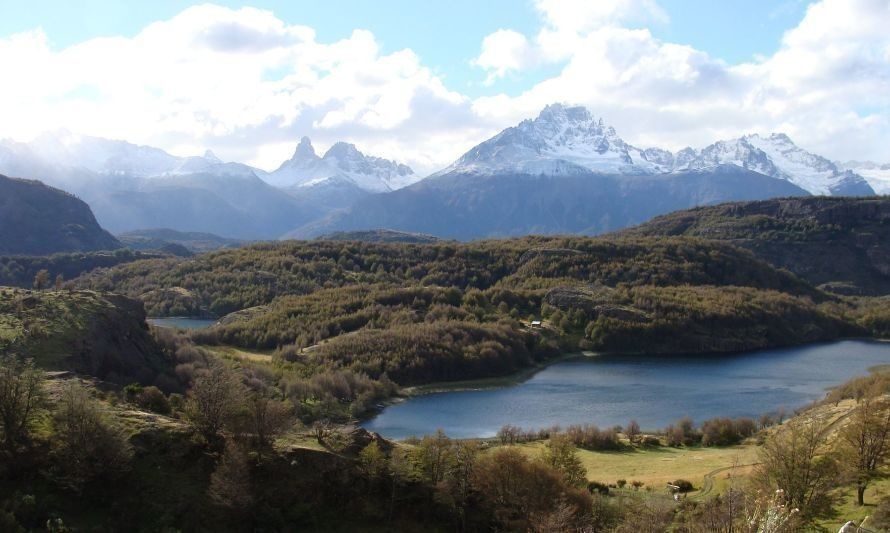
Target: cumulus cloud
828	85
241	81
504	51
248	85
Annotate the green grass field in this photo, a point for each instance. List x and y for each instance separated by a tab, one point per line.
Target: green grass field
655	467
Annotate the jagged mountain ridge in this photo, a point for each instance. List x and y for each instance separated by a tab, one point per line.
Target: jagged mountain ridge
877	175
570	141
342	164
469	206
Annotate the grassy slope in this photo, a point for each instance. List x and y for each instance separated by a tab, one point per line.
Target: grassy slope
96	334
713	470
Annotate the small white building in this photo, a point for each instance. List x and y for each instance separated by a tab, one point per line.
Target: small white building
536	323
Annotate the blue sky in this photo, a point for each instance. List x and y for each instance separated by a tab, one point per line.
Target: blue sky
423	81
446	35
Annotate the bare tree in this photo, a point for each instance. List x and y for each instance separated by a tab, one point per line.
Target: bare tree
21	396
796	461
632	431
213	401
268	419
864	442
41	280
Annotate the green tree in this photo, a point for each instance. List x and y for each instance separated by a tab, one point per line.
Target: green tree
434	456
21	398
560	454
372	461
88	444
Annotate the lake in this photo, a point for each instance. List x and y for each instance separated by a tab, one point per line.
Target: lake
655	390
182	322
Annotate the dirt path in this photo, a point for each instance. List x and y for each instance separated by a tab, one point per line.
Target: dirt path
707	486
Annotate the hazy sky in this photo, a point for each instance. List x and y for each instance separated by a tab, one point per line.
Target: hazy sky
422	82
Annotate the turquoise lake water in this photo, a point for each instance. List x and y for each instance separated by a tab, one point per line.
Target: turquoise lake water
654	390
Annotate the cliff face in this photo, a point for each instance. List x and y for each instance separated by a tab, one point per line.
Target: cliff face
840	244
99	335
36	220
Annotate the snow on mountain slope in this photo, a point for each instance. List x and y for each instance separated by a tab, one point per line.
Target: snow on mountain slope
570	141
561	140
343	162
877	175
777	156
107	157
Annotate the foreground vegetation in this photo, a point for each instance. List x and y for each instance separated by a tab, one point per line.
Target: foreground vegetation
228	456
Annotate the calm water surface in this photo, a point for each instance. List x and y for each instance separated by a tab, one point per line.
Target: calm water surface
182	322
654	390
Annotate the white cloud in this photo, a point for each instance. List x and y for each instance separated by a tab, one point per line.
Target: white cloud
503	52
248	85
828	85
241	82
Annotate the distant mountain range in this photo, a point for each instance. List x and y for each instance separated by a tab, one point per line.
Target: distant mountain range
565	171
568	172
36	219
134	187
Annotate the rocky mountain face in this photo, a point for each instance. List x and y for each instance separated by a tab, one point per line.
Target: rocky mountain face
343	164
560	141
36	220
777	156
799	234
567	171
877	175
569	140
470	206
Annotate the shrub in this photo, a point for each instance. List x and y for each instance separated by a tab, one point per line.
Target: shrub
683	485
598	487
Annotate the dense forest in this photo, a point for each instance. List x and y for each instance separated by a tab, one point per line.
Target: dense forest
799	234
341	325
21	270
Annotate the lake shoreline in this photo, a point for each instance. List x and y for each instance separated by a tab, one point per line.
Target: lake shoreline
527	373
637	361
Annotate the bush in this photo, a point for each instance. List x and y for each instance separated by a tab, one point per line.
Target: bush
598	487
683	485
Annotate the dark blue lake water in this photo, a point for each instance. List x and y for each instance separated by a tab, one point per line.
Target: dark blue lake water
654	390
182	322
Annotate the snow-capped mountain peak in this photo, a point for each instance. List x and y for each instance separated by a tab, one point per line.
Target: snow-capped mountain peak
777	156
211	157
560	140
343	163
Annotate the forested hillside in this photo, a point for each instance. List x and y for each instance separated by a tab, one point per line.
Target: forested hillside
841	244
37	219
